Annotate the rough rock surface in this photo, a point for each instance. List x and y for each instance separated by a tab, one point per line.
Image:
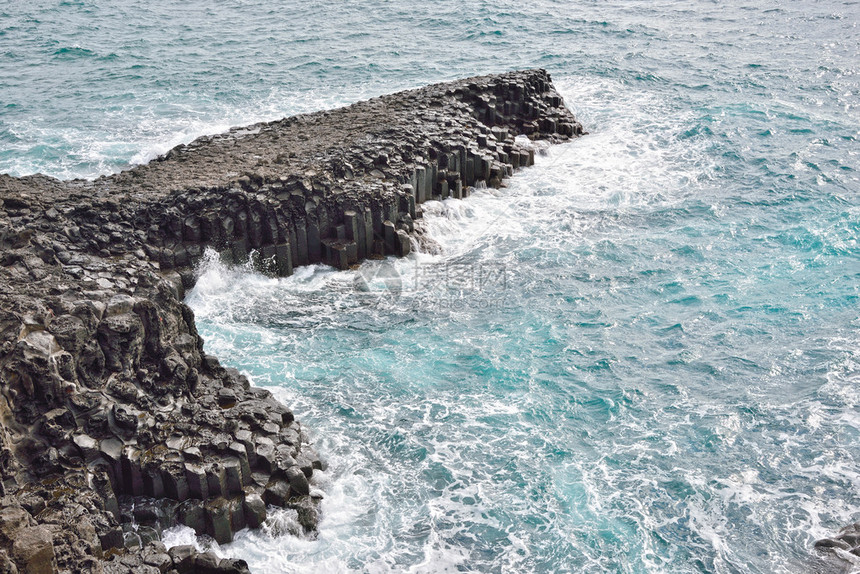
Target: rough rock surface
842	552
114	423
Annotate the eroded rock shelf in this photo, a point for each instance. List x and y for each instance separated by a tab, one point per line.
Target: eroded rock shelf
114	422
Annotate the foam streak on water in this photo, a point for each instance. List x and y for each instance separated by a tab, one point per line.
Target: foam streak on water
640	356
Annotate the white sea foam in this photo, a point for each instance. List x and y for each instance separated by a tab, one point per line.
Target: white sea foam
453	450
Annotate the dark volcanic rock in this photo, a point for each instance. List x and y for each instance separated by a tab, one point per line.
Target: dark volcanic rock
111	415
842	552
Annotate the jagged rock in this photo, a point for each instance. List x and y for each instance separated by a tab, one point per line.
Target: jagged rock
198	483
148	534
218	522
832	543
111	538
206	563
183	557
131	540
121	340
234	476
307	510
71	333
33	550
155	554
843	550
12	520
298	481
277	493
255	510
226	398
6	564
108	396
192	514
305	464
265	455
233	566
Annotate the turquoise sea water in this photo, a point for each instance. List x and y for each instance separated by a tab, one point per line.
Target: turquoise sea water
640	356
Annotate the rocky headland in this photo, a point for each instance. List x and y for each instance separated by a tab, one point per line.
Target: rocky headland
114	422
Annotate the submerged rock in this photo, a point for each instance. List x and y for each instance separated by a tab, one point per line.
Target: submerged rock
113	422
842	551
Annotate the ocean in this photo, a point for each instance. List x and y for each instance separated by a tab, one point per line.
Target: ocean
640	356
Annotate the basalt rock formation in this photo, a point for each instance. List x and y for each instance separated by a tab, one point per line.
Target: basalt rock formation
114	422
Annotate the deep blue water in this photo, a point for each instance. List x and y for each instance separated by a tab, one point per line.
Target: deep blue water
640	356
